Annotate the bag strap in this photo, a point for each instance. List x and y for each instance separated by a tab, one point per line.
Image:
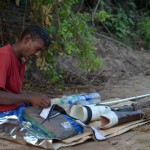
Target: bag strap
54	107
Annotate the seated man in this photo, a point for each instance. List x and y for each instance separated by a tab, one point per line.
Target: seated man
12	66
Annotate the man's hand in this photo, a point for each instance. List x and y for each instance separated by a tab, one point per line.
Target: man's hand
40	101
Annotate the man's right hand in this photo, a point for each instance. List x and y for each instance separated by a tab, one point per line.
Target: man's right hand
40	101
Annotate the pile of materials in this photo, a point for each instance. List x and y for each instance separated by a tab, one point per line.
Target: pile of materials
76	118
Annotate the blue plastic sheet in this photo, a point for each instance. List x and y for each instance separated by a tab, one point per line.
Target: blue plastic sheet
17	112
78	128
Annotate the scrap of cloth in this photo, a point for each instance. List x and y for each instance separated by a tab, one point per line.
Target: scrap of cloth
17	112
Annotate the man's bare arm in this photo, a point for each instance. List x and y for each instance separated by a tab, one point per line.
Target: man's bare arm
11	98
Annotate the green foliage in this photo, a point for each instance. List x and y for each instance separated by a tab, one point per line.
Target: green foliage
143	31
102	16
120	22
125	21
128	20
70	32
72	36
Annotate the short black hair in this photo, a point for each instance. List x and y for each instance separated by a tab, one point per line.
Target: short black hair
37	32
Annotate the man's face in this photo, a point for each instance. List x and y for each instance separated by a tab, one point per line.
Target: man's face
32	48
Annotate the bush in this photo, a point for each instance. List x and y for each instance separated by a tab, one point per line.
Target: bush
143	32
70	34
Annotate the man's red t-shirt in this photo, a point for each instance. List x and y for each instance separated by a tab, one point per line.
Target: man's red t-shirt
11	74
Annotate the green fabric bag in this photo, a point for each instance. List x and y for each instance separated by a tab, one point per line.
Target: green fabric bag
55	126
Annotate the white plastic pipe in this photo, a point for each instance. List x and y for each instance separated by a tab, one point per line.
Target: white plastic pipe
80	112
123	100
